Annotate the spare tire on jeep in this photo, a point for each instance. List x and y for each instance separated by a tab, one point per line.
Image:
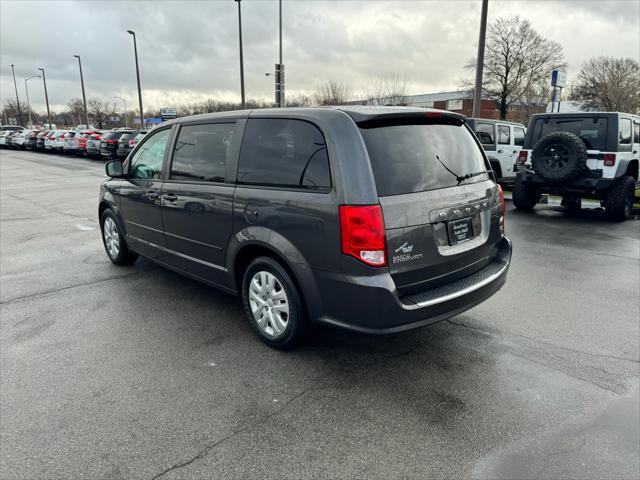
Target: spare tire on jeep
559	157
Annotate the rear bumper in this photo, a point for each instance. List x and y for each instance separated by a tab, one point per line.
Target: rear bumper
581	185
372	305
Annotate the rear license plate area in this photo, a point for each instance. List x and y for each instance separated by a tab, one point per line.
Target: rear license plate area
460	231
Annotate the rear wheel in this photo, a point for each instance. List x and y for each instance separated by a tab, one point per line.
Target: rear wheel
113	240
619	201
524	196
273	304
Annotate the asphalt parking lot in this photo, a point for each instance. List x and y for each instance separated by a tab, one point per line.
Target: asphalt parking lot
137	372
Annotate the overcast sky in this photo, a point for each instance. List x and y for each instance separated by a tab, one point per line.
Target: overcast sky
188	50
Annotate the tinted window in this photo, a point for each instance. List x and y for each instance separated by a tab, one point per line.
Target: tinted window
625	131
147	161
636	133
414	158
125	137
112	136
518	136
201	152
504	135
592	130
484	132
283	152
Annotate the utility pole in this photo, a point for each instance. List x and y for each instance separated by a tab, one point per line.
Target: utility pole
279	76
477	93
46	96
17	99
84	98
242	100
135	50
26	89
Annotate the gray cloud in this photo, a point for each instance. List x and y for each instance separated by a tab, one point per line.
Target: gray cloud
189	49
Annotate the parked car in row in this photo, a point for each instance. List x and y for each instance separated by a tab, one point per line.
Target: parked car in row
592	155
109	143
375	220
127	141
502	142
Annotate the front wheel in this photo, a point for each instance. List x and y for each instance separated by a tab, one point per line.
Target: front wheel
619	200
113	240
524	196
273	304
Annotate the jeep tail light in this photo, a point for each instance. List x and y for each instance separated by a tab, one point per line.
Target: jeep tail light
501	193
362	233
522	157
609	159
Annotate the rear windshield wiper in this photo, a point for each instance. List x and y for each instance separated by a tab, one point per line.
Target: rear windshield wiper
471	175
459	178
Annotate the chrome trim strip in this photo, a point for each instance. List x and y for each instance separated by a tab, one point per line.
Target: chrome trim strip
143	226
178	254
193	241
460	293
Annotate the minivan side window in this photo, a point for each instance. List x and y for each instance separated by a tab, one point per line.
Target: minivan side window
625	131
518	136
201	152
147	161
285	153
484	132
636	133
504	136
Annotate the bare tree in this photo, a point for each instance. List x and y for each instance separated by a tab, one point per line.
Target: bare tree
390	89
332	93
99	109
607	83
75	108
517	60
299	100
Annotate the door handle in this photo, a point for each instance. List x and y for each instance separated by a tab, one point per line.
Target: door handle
500	151
515	151
169	197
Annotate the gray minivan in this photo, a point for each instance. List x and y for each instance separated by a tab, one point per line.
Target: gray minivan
376	220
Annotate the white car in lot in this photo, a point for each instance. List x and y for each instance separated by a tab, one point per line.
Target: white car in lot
502	142
19	139
57	140
3	138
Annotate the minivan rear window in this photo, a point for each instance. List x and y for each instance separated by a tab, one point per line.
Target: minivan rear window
112	135
592	131
415	158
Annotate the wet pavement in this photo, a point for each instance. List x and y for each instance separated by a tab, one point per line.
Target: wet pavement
109	372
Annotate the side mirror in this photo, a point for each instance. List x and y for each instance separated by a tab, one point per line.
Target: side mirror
113	169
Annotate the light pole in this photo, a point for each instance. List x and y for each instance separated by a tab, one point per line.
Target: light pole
17	100
26	89
477	93
125	111
84	98
46	95
135	51
280	66
241	59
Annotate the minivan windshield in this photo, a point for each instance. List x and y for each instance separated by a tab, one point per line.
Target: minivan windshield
415	158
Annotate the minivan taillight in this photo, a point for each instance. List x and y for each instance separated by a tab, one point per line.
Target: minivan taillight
362	232
522	157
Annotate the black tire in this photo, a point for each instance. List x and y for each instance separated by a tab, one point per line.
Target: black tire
619	200
524	196
296	318
560	157
124	255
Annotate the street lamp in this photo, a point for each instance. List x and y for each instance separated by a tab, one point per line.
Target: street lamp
84	98
46	96
125	111
135	51
26	89
280	66
17	100
477	93
241	59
